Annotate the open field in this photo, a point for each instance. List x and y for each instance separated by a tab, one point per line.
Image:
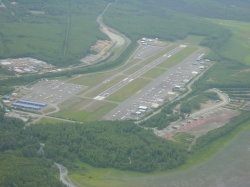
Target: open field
181	56
106	84
84	115
128	90
90	80
238	46
228	167
192	39
156	72
50	121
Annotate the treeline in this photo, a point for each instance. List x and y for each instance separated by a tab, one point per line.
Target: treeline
194	103
120	145
216	134
160	120
27	172
20	162
163	118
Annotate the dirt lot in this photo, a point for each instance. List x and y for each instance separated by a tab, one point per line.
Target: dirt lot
101	49
200	125
101	46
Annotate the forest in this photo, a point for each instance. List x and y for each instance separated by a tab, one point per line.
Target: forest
20	163
121	145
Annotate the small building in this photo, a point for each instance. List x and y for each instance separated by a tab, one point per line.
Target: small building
194	72
143	107
142	111
6	101
177	88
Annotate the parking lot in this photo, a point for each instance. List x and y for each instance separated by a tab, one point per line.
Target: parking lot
146	51
52	91
162	89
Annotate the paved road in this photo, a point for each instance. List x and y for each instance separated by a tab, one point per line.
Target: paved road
40	116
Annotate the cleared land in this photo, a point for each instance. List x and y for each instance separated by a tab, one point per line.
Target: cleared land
238	46
128	90
87	103
86	115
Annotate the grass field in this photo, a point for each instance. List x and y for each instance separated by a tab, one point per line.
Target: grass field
90	79
232	69
77	112
106	86
184	138
192	39
128	90
178	57
155	72
239	45
50	121
202	170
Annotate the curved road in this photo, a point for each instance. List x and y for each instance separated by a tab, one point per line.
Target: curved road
64	176
224	101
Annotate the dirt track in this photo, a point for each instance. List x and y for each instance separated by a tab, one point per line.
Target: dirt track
117	38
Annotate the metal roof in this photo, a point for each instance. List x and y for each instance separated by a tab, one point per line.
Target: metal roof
32	103
19	105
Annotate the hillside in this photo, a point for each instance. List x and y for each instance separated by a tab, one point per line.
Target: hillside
58	32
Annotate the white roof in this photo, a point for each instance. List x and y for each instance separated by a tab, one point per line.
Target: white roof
143	107
5	63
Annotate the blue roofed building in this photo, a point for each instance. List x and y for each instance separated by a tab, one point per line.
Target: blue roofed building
32	103
26	106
